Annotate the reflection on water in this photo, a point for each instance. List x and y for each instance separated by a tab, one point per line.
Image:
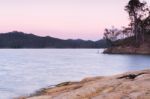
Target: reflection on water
25	70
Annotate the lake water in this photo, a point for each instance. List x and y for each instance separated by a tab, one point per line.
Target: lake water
23	71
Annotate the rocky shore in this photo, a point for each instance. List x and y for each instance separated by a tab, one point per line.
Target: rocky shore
143	49
130	85
129	46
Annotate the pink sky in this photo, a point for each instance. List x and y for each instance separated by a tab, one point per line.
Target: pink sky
85	19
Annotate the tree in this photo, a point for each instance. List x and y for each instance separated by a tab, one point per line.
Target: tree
111	35
127	32
137	12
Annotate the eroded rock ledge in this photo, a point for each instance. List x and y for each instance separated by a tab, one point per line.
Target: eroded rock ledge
130	85
143	49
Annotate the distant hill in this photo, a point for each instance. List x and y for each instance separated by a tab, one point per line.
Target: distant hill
17	39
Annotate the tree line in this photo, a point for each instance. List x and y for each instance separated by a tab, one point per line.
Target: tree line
16	39
139	26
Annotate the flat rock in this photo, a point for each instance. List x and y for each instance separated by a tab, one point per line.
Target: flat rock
120	86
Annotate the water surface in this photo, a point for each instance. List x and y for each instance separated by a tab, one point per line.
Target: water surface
22	71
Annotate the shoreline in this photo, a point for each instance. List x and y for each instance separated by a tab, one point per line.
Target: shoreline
128	50
130	85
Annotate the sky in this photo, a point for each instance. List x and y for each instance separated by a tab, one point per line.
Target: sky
76	19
